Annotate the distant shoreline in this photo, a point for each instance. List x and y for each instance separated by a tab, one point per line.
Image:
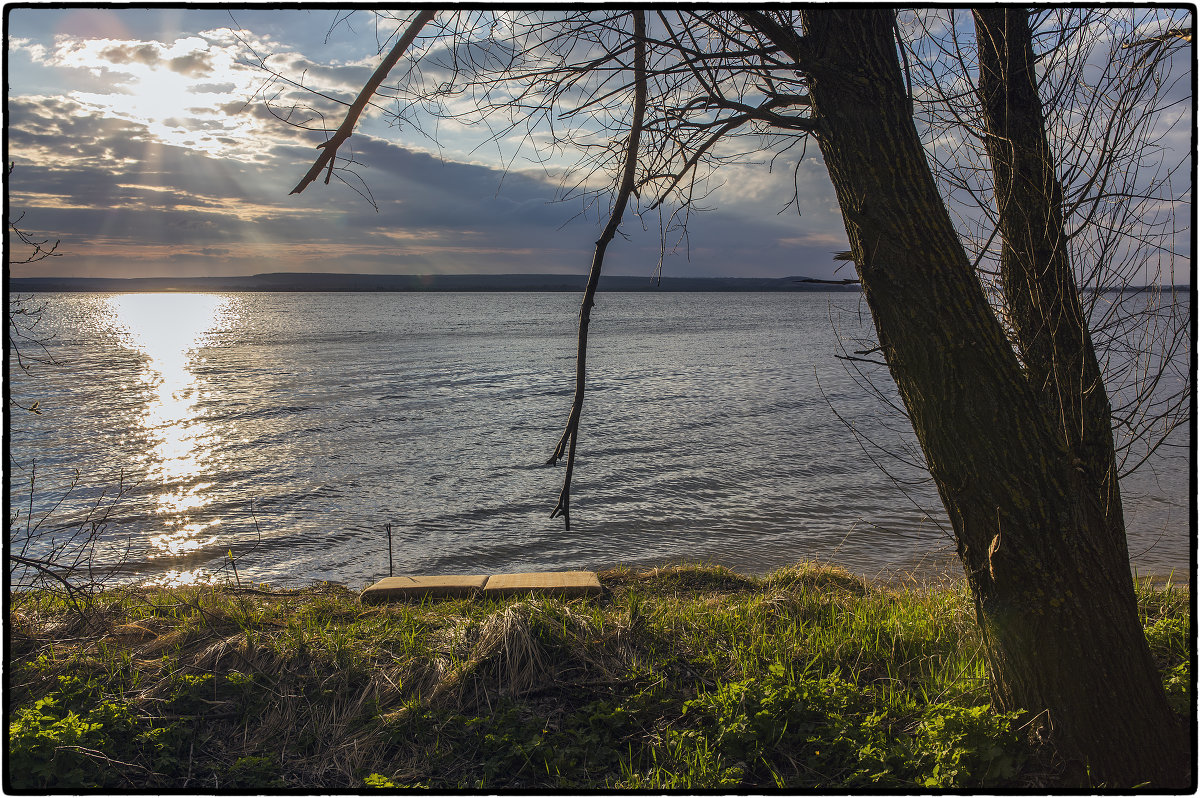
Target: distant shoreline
327	282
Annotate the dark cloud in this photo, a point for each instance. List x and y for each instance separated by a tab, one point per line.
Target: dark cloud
476	206
120	185
465	58
234	108
312	73
130	53
192	65
71	131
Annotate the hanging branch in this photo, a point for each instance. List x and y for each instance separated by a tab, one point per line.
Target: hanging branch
329	147
571	433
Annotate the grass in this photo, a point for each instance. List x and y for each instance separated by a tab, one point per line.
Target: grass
683	677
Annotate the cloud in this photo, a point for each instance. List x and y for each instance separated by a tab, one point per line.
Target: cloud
213	88
435	215
234	107
152	180
193	58
35	51
319	76
131	53
192	65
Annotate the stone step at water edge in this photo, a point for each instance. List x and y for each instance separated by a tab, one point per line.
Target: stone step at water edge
564	584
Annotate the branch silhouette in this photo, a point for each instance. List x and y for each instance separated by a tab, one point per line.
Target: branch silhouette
571	433
330	146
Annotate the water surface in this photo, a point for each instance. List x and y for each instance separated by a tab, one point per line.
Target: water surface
287	430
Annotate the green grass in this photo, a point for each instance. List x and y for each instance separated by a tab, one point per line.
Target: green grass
684	677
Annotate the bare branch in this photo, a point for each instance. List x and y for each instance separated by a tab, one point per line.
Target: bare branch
329	147
1166	37
571	434
783	38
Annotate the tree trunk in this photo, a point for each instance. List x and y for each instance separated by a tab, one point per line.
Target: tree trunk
1042	297
1056	607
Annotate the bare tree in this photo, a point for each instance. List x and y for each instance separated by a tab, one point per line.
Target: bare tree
982	323
1113	83
49	555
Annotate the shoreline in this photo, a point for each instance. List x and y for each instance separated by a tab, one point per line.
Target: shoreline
929	572
419	283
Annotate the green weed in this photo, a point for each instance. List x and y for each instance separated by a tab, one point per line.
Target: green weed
677	678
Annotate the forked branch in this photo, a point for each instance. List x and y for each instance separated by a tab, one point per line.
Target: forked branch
783	37
566	444
330	146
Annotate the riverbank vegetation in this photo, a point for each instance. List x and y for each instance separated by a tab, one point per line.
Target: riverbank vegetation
682	677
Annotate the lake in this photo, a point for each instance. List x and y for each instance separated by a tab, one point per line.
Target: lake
289	430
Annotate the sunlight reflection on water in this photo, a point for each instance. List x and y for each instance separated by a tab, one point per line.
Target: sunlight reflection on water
169	330
177	578
709	434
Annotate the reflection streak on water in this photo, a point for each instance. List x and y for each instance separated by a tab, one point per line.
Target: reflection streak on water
177	578
169	329
710	435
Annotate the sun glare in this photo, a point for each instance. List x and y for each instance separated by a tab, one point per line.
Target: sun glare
169	330
178	89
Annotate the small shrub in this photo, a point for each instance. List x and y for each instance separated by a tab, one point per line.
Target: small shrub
378	781
190	692
822	732
253	772
47	743
960	747
40	753
1178	684
1169	638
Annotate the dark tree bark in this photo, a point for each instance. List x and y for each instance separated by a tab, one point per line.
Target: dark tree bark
1039	286
1034	526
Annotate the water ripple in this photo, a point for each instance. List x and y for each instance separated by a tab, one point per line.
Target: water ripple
298	425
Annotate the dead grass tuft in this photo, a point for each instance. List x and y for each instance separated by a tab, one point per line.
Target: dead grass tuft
507	652
677	579
526	646
818	578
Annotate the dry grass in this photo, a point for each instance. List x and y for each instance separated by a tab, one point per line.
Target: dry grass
313	690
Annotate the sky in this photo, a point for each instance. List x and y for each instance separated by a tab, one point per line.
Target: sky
142	140
148	142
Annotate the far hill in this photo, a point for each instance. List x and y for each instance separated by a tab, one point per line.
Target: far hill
304	281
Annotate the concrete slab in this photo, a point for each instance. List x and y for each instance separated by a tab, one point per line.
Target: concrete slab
567	584
396	588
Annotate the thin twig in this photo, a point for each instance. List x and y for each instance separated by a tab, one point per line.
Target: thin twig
47	568
571	433
388	528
